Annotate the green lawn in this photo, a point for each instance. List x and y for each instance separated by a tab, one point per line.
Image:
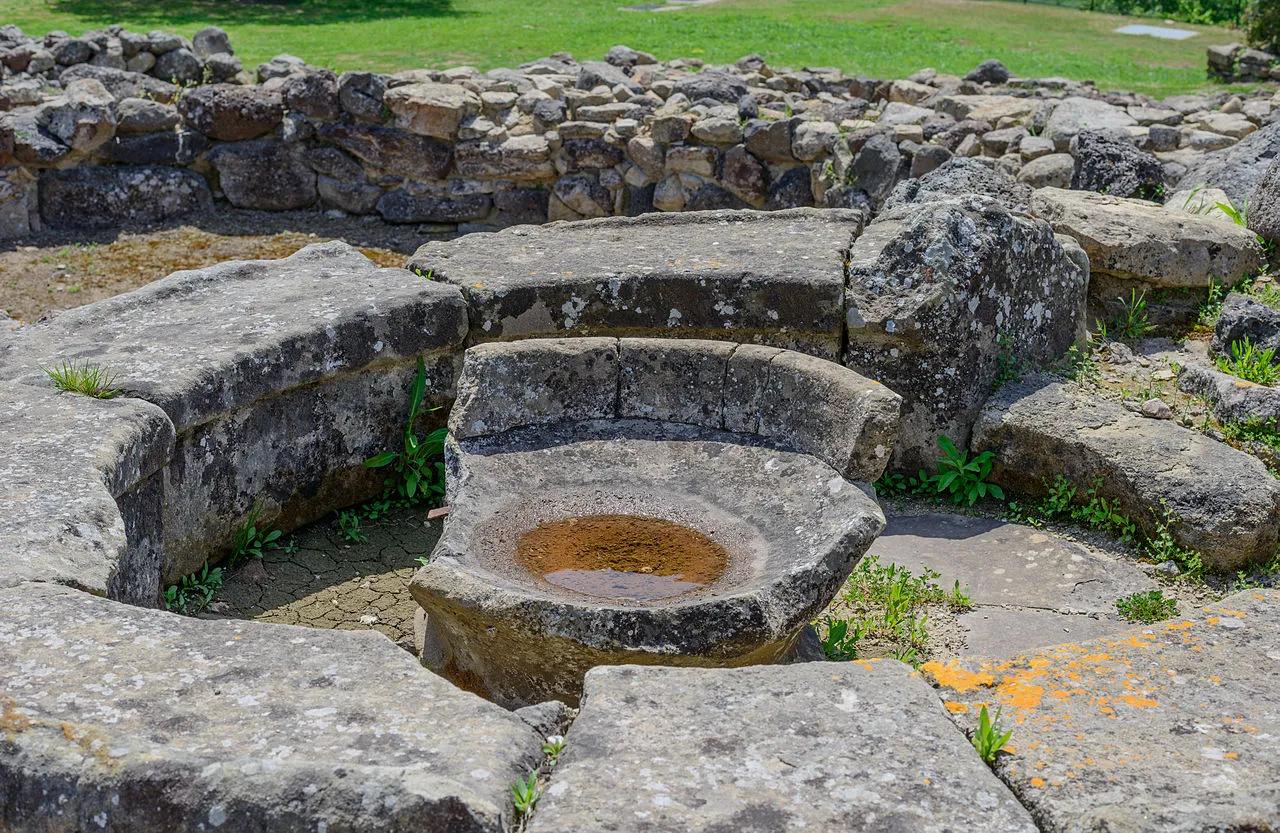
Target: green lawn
890	38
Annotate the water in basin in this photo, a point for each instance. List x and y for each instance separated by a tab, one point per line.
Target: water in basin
630	557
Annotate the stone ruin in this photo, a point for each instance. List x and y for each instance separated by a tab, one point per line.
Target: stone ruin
742	373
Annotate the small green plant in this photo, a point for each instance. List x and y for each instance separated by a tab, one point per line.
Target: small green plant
989	737
1009	368
252	541
552	748
194	592
1131	323
1236	214
1251	363
1149	606
1078	364
963	478
839	638
85	378
349	526
1161	546
418	465
525	793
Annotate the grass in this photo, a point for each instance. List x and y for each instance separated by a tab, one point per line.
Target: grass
1147	607
887	38
85	379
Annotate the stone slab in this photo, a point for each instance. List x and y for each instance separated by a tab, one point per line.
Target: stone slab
1172	727
1001	563
857	747
204	342
65	459
1225	502
775	277
1233	399
1003	632
127	720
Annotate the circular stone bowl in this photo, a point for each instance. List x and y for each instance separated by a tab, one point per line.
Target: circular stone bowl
793	527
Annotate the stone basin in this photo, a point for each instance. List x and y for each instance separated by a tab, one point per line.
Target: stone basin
546	432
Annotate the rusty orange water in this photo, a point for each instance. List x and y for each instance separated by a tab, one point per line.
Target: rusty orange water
622	556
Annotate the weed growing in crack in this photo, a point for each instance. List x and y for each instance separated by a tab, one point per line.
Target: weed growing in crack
1149	606
418	465
194	592
85	379
349	526
250	541
1131	323
552	748
525	793
961	478
989	737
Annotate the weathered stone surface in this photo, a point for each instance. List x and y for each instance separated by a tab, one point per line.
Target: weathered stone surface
399	206
82	118
932	287
122	84
230	112
522	158
794	189
1186	708
19	208
857	747
1224	503
957	177
140	115
1138	240
1114	166
212	40
1264	205
775	278
393	151
313	93
109	196
264	174
1233	399
351	197
360	94
875	168
158	722
165	147
1076	113
1243	318
990	71
282	407
430	109
719	86
79	495
1238	169
745	175
535	382
1054	170
524	640
180	66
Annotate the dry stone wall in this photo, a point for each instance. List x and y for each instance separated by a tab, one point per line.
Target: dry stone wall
116	127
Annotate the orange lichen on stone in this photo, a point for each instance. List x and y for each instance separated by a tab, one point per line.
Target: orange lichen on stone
952	676
12	721
1138	702
954	707
1037	782
1179	626
1020	695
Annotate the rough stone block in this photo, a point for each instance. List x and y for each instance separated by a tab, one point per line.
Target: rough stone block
1224	503
674	380
79	502
1167	727
859	747
111	196
150	722
535	382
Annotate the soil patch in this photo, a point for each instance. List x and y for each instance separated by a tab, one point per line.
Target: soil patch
622	556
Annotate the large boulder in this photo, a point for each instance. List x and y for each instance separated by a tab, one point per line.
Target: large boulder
392	151
83	118
114	195
1232	399
1239	169
1220	502
430	109
121	83
938	292
313	92
859	747
264	174
1136	240
230	112
1114	166
875	167
959	176
1264	205
719	86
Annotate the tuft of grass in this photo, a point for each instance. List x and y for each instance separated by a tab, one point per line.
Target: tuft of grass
252	541
83	378
419	464
1131	323
1149	606
989	737
1251	363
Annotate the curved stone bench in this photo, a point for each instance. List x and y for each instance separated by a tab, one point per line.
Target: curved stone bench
766	452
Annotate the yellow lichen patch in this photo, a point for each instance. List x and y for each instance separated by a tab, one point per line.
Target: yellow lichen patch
951	675
1179	626
12	721
954	707
1037	782
1213	620
1138	702
1020	695
867	663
